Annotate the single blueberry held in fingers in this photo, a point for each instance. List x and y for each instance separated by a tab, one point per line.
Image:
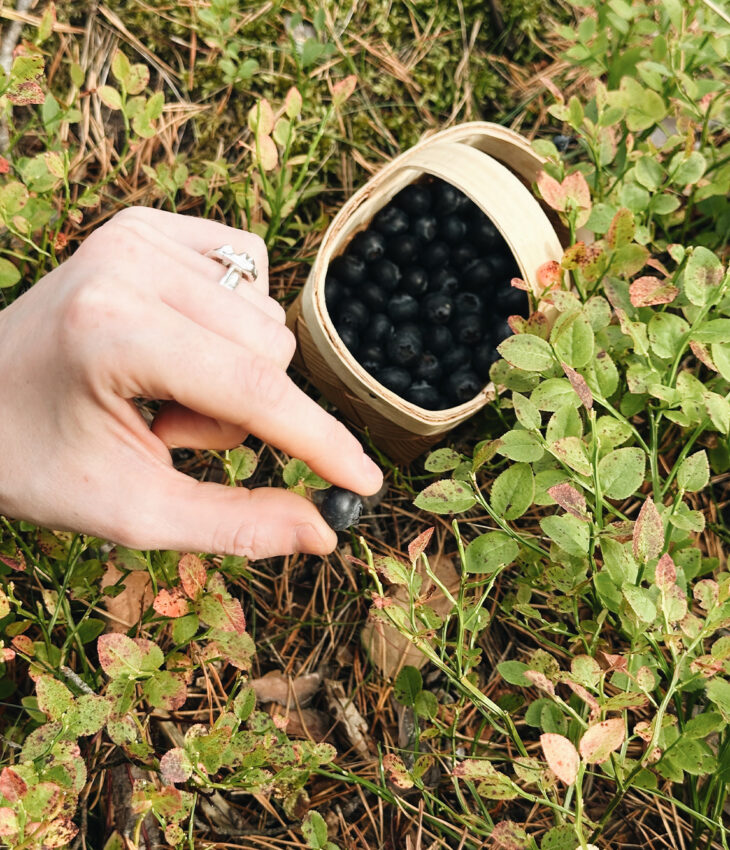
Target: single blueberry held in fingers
340	508
369	245
373	295
402	307
402	249
414	199
463	385
391	221
380	328
395	378
437	308
415	281
386	273
353	313
435	255
349	269
425	227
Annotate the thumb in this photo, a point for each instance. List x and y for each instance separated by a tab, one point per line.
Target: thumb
194	516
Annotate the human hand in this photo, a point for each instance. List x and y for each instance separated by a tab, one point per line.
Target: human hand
137	313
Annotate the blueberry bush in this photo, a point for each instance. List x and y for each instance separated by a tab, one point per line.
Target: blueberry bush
568	685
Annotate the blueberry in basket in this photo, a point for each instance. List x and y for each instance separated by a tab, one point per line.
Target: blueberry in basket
422	295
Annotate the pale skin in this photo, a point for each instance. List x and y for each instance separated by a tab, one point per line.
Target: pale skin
137	312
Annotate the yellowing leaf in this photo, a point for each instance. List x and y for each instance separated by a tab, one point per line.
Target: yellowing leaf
561	756
600	740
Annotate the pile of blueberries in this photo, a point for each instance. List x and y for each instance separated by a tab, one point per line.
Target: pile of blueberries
421	298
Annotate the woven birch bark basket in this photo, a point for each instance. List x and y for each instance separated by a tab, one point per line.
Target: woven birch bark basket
494	167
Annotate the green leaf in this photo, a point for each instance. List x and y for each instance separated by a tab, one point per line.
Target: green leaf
442	460
520	446
702	275
721	359
514	673
621	472
185	628
694	757
110	97
528	352
666	331
408	684
716	330
694	472
572	452
649	173
445	497
296	473
571	534
88	715
490	552
513	491
53	697
9	273
640	603
526	411
622	229
241	462
718	691
244	703
119	655
648	537
619	562
703	725
644	107
565	422
554	393
687	168
572	338
718	409
426	705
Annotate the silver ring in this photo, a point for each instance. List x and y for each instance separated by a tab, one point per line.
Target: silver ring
238	266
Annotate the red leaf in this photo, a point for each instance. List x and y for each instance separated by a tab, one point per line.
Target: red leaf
418	546
585	695
561	756
518	283
4	165
569	499
23	644
576	189
647	291
648	539
175	766
342	90
26	93
666	573
540	681
12	785
192	575
600	740
702	353
578	382
550	275
552	192
170	604
516	323
16	563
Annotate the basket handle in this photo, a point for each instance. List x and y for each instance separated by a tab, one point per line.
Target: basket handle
511	206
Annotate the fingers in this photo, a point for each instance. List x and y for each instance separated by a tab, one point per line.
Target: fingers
209	374
201	235
180	427
187	515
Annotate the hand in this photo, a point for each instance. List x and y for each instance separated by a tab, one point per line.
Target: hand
138	312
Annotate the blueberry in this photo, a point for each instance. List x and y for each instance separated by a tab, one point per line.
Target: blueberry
404	346
380	328
353	313
371	356
437	308
395	378
468	302
386	273
425	227
369	245
415	281
439	339
333	292
563	143
452	229
402	307
349	269
428	368
503	265
436	255
340	508
414	199
423	394
463	253
446	197
484	234
483	357
456	357
402	249
478	275
468	329
444	280
349	337
373	295
391	221
510	300
500	331
463	385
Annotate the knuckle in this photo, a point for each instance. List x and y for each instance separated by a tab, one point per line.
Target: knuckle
265	383
286	344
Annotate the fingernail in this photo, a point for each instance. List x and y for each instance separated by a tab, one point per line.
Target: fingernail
309	539
371	469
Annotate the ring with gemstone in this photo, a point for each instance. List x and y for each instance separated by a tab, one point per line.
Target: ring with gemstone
238	266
